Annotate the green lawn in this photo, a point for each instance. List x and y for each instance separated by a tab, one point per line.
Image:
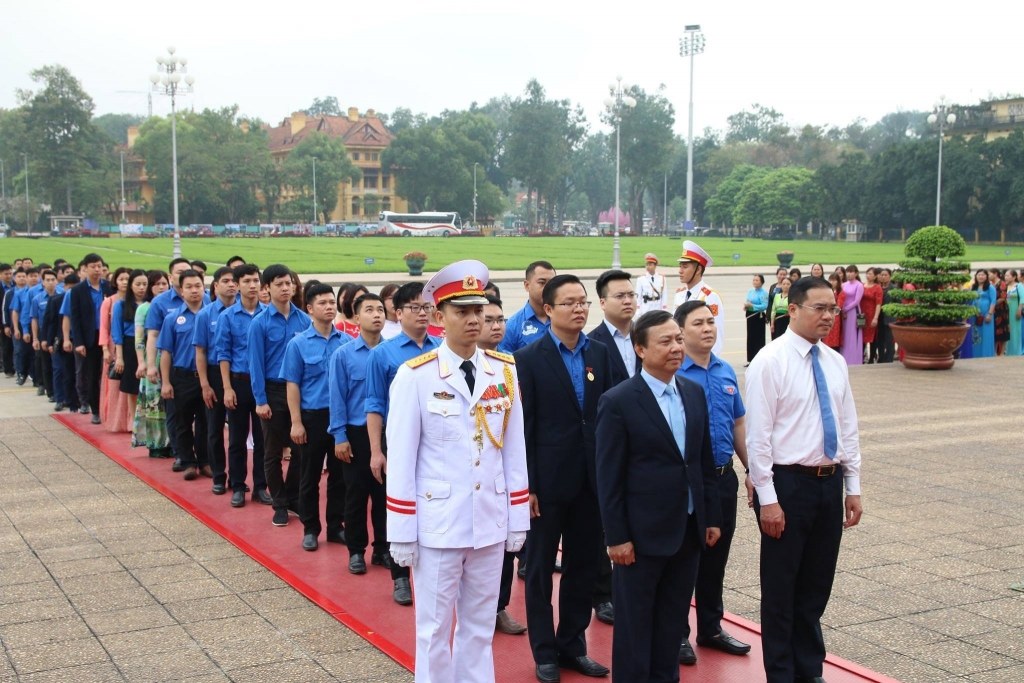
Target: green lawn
347	255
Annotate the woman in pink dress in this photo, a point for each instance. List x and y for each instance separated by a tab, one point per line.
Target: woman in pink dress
113	404
853	345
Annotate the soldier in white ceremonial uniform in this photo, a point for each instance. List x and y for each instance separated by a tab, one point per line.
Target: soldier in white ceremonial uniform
692	264
651	288
457	485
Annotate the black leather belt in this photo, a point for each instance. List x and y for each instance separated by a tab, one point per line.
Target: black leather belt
813	471
724	468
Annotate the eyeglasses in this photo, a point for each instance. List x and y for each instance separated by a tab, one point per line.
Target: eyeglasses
573	305
834	310
416	308
624	296
492	321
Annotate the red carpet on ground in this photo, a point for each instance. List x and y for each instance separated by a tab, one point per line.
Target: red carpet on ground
364	604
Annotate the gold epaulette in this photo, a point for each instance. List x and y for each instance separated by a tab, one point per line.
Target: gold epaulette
507	357
421	360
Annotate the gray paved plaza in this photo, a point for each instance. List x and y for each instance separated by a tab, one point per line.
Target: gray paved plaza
102	578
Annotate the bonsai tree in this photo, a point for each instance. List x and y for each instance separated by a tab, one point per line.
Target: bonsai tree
931	267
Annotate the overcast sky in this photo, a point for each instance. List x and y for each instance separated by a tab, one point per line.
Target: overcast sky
816	62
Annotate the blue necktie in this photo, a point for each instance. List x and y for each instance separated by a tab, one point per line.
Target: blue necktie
828	420
678	427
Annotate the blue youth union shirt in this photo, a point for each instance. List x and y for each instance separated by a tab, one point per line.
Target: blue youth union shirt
725	405
385	359
206	328
232	337
176	338
306	360
269	334
522	329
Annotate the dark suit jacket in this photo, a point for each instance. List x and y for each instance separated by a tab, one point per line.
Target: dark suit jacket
641	477
51	330
619	371
8	299
83	313
559	436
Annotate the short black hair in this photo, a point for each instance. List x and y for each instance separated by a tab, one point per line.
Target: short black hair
493	300
90	259
362	299
199	264
189	273
43	266
176	261
4	267
538	264
72	278
406	293
609	276
276	271
318	289
885	270
235	258
799	289
797	271
685	309
222	271
491	287
556	283
245	269
49	272
32	271
56	262
640	333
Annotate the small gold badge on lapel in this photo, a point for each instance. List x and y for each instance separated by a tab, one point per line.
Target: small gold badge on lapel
590	374
444	395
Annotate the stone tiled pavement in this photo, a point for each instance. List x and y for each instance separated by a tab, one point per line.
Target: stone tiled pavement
101	578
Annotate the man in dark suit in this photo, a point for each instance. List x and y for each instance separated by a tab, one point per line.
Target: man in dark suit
86	300
659	500
562	376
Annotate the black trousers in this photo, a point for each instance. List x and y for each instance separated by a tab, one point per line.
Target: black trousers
239	422
650	600
276	437
92	371
755	333
603	585
7	353
215	426
319	447
577	525
44	371
188	405
885	343
797	572
508	574
67	361
711	572
362	488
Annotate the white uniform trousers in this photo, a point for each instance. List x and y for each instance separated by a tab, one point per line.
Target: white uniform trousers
466	580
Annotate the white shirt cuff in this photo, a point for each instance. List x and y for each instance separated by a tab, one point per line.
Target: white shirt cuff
852	484
766	494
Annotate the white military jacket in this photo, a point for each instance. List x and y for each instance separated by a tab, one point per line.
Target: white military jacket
651	295
713	299
456	473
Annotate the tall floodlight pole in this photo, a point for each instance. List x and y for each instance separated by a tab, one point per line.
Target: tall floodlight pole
170	83
475	164
122	189
28	204
615	105
943	116
3	191
315	221
690	45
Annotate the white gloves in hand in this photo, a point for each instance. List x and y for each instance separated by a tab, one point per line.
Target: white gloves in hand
405	554
514	541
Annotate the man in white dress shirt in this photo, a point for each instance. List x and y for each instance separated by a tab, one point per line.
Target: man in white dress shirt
651	288
457	486
693	263
802	446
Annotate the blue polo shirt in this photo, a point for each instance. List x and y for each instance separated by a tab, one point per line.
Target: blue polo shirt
231	340
385	359
347	383
20	303
522	329
269	333
306	360
725	405
574	362
206	329
119	328
176	338
161	305
38	307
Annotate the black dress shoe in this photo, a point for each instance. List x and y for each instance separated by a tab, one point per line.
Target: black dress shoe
686	654
20	381
263	497
219	489
51	399
337	536
280	517
95	419
381	560
585	665
724	642
40	391
403	592
84	410
808	679
177	466
59	407
238	499
605	613
521	573
309	542
548	673
356	564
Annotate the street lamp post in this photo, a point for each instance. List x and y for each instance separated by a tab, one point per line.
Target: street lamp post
690	46
943	116
475	164
614	106
170	84
3	190
28	204
122	189
315	221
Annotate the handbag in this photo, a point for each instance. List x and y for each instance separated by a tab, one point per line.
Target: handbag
112	373
862	320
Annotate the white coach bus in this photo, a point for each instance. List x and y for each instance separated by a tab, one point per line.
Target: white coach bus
428	224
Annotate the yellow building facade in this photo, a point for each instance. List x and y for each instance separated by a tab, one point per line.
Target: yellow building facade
994	119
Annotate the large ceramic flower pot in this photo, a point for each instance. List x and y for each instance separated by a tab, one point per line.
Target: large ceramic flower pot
785	260
929	348
415	267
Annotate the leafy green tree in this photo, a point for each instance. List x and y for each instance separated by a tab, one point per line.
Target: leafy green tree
841	187
116	125
647	146
324	106
594	174
754	125
722	204
783	196
333	166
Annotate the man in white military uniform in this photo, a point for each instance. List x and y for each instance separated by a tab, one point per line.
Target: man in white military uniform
692	264
457	487
651	288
